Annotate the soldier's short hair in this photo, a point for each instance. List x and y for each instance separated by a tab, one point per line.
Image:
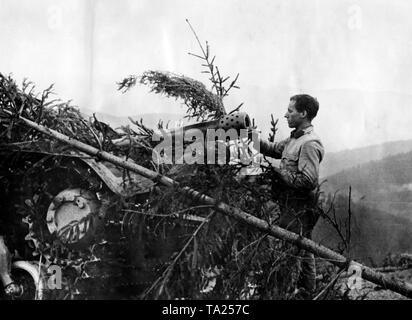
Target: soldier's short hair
307	103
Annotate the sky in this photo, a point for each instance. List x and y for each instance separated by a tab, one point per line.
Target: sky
353	56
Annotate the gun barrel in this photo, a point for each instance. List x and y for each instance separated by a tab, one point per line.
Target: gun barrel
237	120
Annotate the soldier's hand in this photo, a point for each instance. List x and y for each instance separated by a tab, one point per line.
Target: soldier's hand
277	174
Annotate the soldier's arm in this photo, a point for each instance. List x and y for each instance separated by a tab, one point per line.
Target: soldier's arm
272	149
307	175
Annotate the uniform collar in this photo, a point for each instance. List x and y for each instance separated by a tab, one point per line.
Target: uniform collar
296	134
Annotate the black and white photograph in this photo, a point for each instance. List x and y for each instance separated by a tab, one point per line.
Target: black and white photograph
218	152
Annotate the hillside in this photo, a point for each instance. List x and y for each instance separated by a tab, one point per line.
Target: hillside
375	233
338	161
385	184
381	205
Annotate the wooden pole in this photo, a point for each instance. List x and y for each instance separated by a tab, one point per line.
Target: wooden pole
339	260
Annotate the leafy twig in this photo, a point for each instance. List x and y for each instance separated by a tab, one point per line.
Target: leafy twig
215	75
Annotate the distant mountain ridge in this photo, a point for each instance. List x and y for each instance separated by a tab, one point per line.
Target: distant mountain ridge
381	201
384	184
342	160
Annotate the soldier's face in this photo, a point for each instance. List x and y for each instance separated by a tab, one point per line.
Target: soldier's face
294	117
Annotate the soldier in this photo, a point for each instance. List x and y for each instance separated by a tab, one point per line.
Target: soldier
297	178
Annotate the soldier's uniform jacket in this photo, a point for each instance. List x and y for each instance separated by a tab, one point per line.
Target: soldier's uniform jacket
300	156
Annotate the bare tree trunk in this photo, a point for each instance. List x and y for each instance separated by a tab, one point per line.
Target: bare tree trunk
367	273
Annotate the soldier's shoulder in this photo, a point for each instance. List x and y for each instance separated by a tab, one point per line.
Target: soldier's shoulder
312	136
312	140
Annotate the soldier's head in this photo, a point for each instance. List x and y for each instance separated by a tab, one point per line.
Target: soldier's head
301	110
